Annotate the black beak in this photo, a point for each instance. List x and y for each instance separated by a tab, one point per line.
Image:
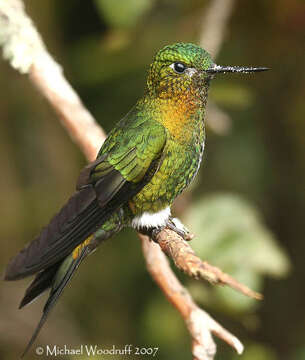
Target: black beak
215	69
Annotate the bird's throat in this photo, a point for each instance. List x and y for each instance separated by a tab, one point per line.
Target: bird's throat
183	114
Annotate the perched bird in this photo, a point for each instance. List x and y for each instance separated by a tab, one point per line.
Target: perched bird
149	157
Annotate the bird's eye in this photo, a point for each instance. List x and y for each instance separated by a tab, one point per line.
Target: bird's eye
178	67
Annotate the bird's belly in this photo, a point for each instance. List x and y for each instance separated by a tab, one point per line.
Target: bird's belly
177	170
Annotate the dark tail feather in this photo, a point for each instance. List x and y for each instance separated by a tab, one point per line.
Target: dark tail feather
40	284
58	287
71	226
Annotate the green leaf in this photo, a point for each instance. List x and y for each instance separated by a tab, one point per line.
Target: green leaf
230	235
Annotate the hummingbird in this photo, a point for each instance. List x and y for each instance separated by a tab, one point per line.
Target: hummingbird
147	160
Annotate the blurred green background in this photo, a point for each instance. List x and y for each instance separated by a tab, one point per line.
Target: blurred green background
246	206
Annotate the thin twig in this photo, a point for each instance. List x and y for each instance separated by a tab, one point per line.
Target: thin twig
214	24
186	260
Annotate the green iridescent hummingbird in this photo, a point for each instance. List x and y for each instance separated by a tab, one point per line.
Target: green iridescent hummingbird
149	157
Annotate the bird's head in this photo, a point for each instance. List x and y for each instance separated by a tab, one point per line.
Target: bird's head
183	67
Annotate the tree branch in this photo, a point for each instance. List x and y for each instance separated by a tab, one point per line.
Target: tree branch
199	323
24	48
187	261
26	52
214	24
212	33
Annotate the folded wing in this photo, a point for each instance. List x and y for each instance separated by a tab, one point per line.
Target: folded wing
103	187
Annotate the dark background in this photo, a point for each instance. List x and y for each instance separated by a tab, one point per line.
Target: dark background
247	205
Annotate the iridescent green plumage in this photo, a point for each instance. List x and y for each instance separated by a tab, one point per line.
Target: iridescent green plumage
167	122
149	157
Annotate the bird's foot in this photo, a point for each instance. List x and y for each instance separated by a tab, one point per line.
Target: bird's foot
152	232
173	224
176	225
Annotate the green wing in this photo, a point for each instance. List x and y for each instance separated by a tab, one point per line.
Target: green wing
127	161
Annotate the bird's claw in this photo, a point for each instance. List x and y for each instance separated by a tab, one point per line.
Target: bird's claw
173	224
176	225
